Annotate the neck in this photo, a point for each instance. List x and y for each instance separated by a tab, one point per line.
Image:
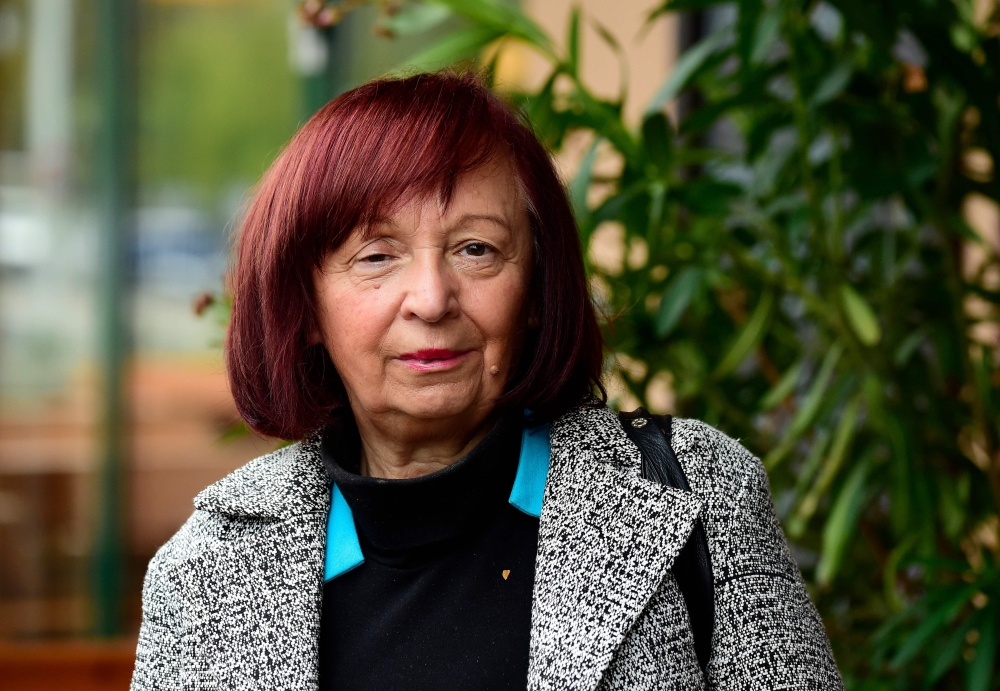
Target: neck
394	448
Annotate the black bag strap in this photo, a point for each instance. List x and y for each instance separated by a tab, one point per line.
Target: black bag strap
693	566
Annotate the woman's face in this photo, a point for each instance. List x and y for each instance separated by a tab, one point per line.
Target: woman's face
424	315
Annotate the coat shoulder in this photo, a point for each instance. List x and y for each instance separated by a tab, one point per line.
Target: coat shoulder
254	537
766	627
286	482
706	452
200	533
276	485
743	531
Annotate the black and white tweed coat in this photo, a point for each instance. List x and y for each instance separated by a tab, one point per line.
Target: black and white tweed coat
233	600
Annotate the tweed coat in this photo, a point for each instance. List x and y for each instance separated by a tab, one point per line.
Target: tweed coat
233	600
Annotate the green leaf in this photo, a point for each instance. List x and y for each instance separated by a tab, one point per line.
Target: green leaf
657	136
607	36
890	571
751	333
860	315
785	385
490	70
981	668
808	409
414	18
677	298
833	84
503	19
680	6
806	475
907	348
461	45
952	500
581	183
767	31
604	118
839	527
705	197
964	37
688	64
657	196
234	432
814	397
540	110
614	206
945	655
573	43
616	48
831	464
935	620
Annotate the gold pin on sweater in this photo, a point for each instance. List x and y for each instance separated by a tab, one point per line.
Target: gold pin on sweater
506	572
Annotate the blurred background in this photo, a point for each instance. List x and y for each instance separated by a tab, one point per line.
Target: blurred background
791	222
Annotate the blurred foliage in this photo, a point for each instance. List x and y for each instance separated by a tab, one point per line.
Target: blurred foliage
12	61
790	260
216	96
219	94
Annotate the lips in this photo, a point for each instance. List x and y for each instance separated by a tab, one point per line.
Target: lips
433	359
432	354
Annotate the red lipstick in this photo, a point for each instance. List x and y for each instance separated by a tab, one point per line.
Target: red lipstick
432	354
433	359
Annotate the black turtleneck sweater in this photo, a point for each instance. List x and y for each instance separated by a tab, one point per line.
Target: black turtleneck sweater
443	598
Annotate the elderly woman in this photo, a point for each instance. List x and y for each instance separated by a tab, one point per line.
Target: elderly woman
461	510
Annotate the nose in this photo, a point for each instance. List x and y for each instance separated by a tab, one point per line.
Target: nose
430	290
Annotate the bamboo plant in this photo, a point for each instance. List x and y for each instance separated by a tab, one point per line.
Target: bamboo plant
794	260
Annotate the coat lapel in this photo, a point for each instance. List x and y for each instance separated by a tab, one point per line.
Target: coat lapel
258	591
607	539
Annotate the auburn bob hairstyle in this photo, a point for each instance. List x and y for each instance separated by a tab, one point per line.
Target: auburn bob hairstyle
361	156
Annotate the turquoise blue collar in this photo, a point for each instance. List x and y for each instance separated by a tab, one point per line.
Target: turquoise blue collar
343	552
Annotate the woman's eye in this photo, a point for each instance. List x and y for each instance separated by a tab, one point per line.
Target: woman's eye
376	258
476	249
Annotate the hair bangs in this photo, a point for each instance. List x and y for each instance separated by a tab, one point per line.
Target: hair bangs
378	159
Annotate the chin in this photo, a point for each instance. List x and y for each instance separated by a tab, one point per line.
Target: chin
433	411
438	404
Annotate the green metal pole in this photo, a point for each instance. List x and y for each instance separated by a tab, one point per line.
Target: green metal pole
328	82
114	167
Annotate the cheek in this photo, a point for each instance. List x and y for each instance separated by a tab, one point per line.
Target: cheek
498	309
353	322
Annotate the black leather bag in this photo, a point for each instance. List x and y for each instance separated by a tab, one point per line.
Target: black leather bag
693	566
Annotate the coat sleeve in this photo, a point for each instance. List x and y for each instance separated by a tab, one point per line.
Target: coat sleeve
157	657
768	633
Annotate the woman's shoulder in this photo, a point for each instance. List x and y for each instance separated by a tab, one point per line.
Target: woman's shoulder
726	477
707	453
286	482
733	484
703	451
720	470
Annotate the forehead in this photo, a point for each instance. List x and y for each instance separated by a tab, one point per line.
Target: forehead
490	190
493	185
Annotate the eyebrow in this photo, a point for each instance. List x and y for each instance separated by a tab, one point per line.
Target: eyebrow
368	230
484	217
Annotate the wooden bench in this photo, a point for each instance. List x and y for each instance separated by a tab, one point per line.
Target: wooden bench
66	666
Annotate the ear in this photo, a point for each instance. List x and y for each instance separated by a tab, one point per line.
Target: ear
314	337
533	321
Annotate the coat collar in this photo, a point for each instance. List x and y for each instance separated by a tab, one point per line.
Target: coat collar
343	549
293	480
288	482
607	539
